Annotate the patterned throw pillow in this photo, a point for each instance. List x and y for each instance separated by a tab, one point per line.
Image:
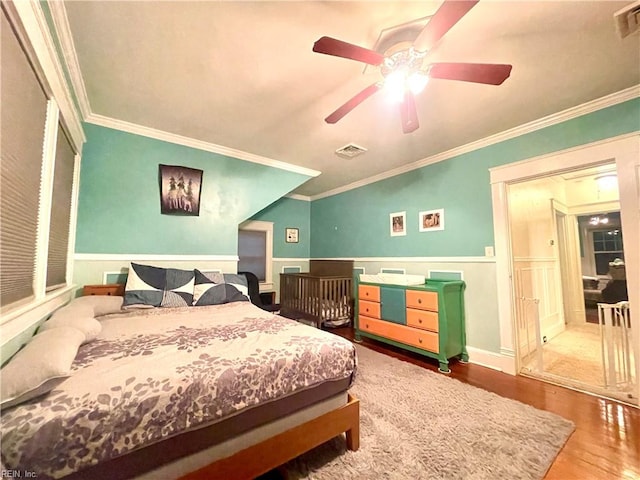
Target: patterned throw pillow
145	286
149	286
218	288
178	288
238	281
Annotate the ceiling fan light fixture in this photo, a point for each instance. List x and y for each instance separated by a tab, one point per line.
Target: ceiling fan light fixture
394	84
607	182
417	81
397	82
402	63
597	220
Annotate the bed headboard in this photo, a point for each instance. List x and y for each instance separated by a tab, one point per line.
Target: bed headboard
331	268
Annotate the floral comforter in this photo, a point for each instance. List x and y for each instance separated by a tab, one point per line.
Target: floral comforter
152	374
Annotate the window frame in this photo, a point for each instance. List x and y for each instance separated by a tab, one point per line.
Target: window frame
267	228
595	253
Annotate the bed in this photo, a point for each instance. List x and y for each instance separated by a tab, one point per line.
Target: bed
215	391
323	296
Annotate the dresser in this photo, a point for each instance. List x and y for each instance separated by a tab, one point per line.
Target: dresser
426	319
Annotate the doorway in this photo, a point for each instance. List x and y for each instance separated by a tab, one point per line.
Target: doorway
566	263
541	251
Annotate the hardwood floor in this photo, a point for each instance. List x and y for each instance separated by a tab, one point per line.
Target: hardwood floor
605	443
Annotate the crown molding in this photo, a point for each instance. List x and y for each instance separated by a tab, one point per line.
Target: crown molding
123	126
554	119
63	31
571	158
296	196
33	26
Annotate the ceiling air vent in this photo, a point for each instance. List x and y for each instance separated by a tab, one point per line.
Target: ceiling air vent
351	150
628	19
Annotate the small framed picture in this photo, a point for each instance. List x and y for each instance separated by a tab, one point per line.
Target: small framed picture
431	220
291	235
398	224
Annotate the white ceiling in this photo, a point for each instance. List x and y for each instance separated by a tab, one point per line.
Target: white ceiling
242	74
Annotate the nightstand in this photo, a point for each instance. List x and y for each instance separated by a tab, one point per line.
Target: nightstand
116	289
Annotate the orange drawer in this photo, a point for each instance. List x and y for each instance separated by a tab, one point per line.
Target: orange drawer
422	300
369	292
409	335
422	319
370	309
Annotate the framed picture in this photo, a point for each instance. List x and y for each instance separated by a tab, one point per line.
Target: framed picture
291	235
431	220
398	224
180	190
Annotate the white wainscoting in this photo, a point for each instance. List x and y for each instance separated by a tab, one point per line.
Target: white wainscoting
90	269
537	278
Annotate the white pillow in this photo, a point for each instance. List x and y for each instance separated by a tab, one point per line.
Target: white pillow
41	365
95	305
89	326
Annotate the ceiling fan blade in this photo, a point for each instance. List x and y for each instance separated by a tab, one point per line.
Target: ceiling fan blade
489	73
338	48
352	103
408	113
449	13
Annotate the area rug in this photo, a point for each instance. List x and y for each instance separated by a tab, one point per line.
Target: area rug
418	424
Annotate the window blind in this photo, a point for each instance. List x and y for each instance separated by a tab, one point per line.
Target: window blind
60	212
23	117
252	253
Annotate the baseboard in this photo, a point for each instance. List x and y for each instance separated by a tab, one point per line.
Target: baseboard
496	361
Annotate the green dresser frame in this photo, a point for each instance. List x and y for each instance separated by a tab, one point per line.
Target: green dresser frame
451	317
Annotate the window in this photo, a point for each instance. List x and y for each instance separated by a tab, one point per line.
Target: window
255	247
607	246
37	173
23	118
252	253
60	212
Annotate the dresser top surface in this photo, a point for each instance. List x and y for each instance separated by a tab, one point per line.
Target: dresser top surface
430	285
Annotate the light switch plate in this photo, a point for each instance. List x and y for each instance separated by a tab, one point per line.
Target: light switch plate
488	251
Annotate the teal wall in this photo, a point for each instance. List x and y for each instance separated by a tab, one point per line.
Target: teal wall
119	200
289	213
356	223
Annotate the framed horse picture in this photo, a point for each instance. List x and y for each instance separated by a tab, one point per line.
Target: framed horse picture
180	190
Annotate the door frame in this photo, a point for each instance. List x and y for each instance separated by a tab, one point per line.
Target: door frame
624	150
566	231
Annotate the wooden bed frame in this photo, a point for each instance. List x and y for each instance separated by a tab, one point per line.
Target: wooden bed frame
328	283
279	449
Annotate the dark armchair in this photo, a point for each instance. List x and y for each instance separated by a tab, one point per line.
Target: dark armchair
253	285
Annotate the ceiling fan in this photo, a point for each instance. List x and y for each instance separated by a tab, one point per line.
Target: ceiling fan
406	71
